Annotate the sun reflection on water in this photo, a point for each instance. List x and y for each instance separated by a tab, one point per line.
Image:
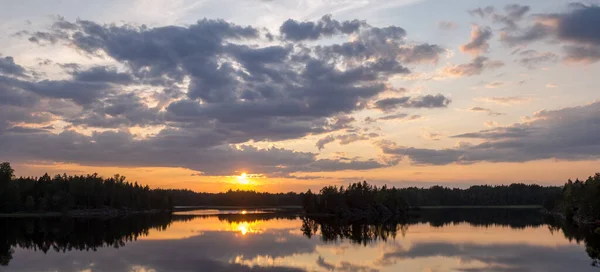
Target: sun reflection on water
245	227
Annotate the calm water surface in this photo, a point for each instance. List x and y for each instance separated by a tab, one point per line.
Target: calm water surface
440	240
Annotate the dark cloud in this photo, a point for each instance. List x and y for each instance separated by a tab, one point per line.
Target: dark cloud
400	116
579	25
199	150
538	31
345	139
103	74
388	104
422	53
532	58
385	43
207	89
10	68
482	12
323	141
11	115
575	28
516	12
582	54
545	135
513	13
326	27
20	129
41	37
11	94
479	41
475	67
124	110
426	101
80	92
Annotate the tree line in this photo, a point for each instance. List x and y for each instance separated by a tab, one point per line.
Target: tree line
63	193
366	198
238	198
578	200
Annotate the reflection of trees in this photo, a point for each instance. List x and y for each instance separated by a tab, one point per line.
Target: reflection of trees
239	217
66	234
514	218
250	217
366	231
579	234
360	231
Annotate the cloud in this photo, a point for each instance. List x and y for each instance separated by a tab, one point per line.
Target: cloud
516	11
345	139
533	59
574	28
385	43
432	136
343	266
123	110
325	27
103	74
488	111
550	85
323	141
10	68
196	151
513	13
507	100
534	33
479	41
447	25
426	101
198	96
477	66
482	12
400	116
20	129
582	54
421	53
548	134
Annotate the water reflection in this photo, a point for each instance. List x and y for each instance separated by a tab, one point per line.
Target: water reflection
66	234
437	240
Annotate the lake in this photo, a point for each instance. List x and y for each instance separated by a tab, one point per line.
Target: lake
249	240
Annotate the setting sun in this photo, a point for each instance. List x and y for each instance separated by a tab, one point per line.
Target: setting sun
243	179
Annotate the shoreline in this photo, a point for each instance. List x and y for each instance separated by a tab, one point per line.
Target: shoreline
91	213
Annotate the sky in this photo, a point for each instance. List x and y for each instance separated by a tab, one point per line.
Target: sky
284	96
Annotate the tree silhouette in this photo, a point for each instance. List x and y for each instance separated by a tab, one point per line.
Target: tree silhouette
63	193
